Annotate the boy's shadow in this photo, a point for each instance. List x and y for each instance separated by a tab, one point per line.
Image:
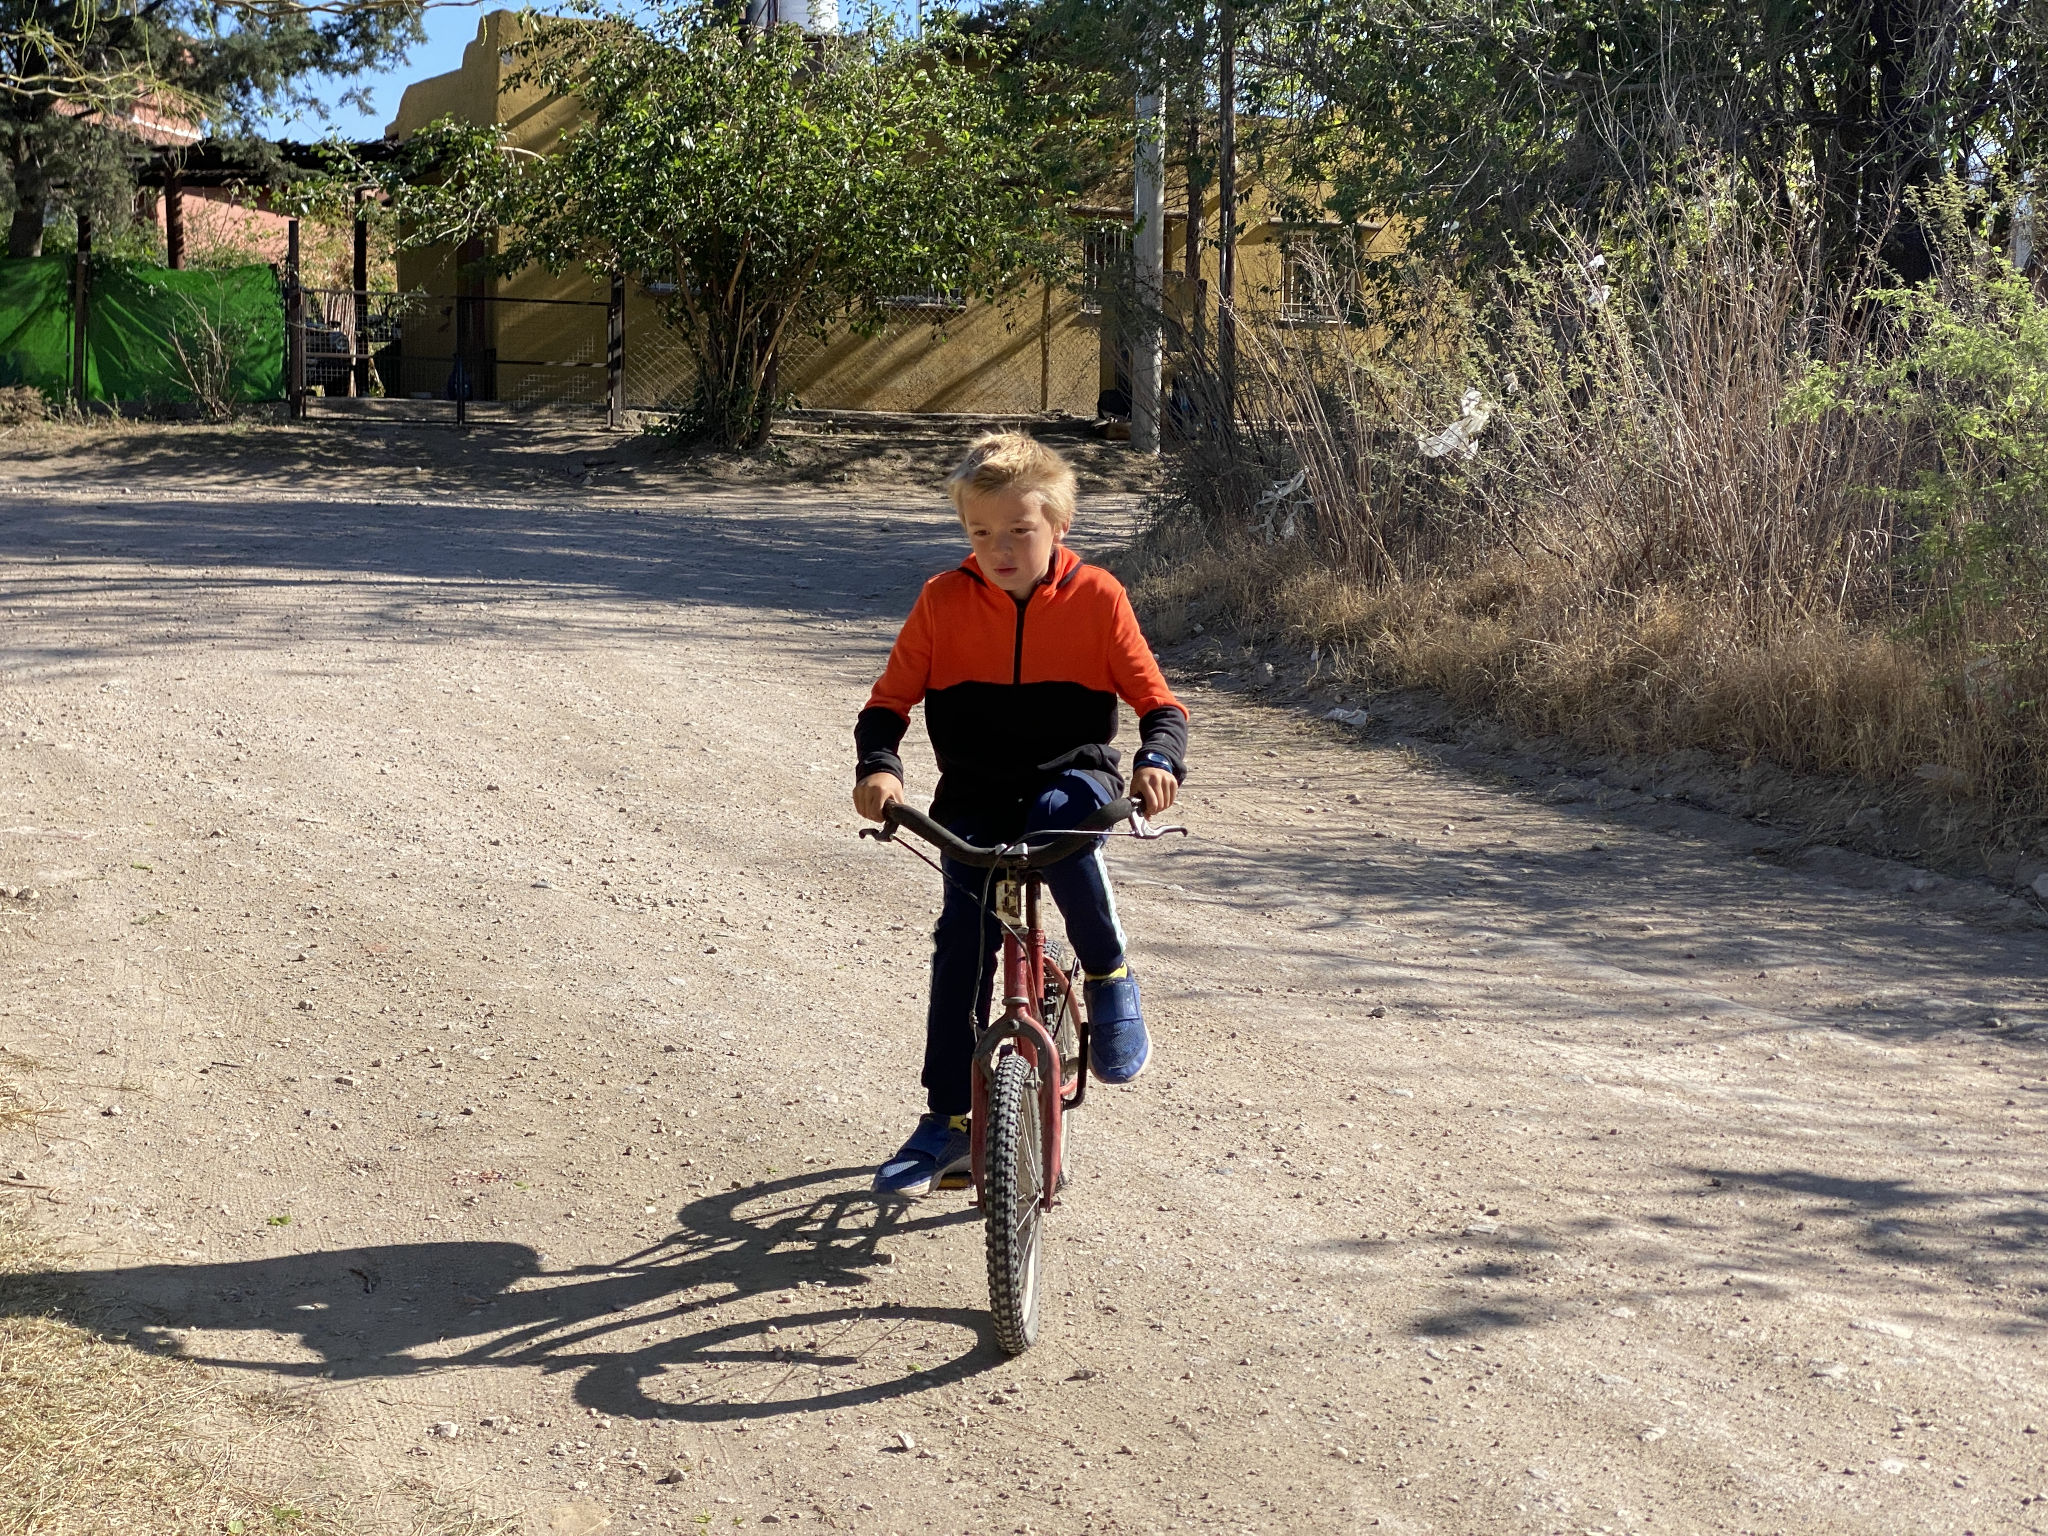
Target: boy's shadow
377	1311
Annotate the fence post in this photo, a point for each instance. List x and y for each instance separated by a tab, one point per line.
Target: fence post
615	354
294	325
81	309
359	276
460	384
174	220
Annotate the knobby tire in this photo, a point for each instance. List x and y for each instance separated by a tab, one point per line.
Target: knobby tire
1012	1189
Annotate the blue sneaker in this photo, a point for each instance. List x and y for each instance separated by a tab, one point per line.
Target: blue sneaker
1118	1047
939	1147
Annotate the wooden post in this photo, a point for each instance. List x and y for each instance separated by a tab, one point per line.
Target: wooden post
1226	209
294	326
615	354
359	279
81	311
174	220
463	385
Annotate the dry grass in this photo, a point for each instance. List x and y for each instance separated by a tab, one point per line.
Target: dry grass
18	1108
95	1433
1646	552
101	1435
22	403
1662	672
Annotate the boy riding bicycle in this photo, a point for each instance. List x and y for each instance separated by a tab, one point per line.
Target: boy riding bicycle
1019	656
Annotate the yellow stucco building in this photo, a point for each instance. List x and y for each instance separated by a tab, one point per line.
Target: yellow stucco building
537	337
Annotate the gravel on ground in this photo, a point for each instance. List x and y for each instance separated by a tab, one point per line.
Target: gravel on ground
436	906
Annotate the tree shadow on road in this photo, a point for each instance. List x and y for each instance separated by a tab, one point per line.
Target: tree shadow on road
406	564
1899	1249
752	1308
1567	910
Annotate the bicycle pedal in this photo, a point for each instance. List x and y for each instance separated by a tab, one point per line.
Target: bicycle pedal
959	1179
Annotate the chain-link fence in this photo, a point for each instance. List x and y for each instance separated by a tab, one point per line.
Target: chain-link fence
929	354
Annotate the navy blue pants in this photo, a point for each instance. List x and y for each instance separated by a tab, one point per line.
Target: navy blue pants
967	943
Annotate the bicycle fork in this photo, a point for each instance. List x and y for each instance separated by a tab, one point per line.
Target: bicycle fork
1023	1031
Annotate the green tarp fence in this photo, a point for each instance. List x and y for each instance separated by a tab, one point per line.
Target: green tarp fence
149	331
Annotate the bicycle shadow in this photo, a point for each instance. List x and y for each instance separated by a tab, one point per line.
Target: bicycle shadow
402	1310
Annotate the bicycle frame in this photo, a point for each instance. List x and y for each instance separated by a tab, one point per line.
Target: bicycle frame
1022	1030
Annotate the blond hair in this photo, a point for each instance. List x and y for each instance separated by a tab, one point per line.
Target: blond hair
1000	460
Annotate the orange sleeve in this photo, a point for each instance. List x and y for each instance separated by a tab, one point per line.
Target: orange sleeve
878	733
1132	668
906	678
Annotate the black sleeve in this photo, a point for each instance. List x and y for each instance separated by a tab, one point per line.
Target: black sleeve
876	736
1163	730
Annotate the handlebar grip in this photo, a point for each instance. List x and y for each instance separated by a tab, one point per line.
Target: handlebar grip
898	816
1109	815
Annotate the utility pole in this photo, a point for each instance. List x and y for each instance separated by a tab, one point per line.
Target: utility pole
1197	289
1149	247
1226	208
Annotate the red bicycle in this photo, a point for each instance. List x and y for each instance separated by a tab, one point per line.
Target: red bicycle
1030	1063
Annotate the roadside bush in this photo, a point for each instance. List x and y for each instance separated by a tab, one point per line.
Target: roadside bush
1670	494
209	349
21	404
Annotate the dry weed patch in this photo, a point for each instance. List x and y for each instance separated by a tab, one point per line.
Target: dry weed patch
1678	505
96	1434
102	1435
1638	673
17	1108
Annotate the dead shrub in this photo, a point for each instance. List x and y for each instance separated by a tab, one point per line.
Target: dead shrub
22	404
1595	515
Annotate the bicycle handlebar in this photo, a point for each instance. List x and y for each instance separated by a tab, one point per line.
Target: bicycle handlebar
1022	854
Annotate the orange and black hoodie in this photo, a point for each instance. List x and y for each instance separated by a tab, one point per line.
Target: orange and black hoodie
1016	689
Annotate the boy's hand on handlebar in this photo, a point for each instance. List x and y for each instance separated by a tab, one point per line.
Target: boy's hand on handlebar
873	795
1155	789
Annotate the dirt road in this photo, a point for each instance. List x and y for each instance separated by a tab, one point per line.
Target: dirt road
477	1021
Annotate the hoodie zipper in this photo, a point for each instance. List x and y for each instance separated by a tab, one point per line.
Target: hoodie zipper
1017	662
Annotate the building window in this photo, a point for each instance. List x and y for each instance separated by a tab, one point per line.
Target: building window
1318	280
1105	264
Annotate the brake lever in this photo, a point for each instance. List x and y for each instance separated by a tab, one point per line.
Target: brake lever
879	834
1143	829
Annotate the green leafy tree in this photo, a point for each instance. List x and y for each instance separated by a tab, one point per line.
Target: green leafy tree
74	72
1487	122
778	180
1960	370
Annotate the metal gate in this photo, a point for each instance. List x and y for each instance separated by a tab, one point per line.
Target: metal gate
464	348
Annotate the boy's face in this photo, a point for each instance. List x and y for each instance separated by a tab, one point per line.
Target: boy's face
1012	536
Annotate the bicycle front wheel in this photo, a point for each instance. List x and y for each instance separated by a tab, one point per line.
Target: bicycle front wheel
1011	1192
